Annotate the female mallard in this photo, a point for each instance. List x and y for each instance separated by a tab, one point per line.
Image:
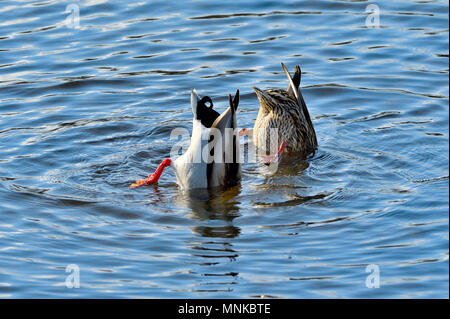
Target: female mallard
286	111
221	167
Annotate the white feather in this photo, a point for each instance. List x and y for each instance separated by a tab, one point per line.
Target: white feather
190	168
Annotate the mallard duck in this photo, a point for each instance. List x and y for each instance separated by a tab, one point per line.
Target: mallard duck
221	168
286	111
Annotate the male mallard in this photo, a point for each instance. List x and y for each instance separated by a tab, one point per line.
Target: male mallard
221	167
286	111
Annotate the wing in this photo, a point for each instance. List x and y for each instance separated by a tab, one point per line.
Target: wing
301	102
223	166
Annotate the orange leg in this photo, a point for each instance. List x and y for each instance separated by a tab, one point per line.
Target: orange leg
152	178
275	158
243	132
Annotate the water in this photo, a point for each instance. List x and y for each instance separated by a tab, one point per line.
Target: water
85	111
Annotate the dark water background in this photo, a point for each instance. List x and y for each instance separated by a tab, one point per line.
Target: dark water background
85	111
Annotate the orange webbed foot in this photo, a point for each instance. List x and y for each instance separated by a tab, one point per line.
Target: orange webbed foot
141	182
152	178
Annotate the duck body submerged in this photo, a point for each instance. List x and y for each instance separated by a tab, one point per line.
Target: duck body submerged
212	158
189	168
224	168
210	133
285	111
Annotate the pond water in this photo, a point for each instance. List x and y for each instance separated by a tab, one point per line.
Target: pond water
88	106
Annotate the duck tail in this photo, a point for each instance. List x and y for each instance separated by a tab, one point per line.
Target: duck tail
295	89
296	79
234	103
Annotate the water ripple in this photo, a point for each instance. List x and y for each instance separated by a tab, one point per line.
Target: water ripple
85	111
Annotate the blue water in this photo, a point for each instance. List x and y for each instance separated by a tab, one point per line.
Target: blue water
85	110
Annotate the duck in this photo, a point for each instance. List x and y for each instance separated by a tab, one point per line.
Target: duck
221	167
285	110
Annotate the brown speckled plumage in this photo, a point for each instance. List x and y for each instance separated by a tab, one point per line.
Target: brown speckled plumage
282	110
